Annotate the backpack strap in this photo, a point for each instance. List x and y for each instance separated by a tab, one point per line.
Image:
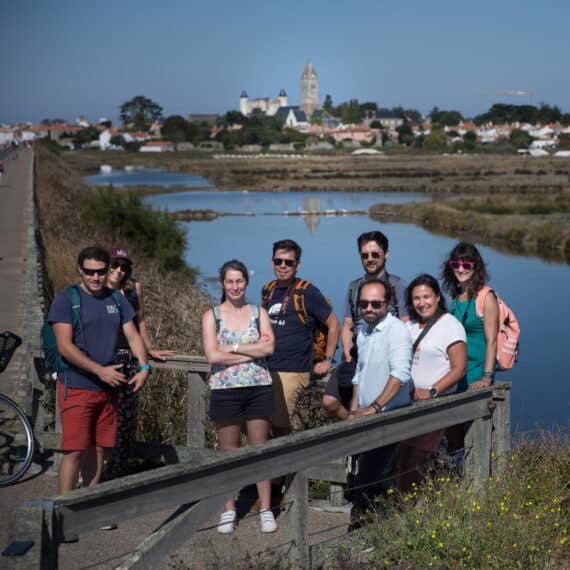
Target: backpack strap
217	318
480	300
76	316
391	279
267	291
299	301
353	290
255	315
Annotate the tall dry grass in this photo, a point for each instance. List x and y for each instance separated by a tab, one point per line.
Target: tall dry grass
173	304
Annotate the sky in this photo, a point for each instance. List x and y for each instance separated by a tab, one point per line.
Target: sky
65	58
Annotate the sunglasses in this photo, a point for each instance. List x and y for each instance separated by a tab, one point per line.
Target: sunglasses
287	262
457	263
373	255
92	272
363	304
122	265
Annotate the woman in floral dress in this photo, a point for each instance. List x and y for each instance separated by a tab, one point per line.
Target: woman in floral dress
237	337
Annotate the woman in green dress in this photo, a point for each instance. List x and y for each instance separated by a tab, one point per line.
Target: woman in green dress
464	275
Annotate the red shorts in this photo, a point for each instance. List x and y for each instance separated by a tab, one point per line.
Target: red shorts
88	418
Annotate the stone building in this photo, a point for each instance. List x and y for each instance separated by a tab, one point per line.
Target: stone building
309	90
267	105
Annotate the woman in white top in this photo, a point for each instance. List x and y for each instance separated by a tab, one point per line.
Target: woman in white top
438	363
237	337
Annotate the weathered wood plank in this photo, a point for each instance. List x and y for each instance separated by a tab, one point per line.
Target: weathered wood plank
501	442
197	390
85	509
297	519
478	450
171	536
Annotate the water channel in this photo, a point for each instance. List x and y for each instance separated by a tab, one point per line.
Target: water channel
535	289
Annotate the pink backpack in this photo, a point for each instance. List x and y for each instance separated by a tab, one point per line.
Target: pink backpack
509	330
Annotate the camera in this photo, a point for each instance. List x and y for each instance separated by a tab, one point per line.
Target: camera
130	364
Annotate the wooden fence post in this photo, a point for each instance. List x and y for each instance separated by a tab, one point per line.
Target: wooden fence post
478	450
501	442
195	427
297	524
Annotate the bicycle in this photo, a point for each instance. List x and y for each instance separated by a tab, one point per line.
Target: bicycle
17	442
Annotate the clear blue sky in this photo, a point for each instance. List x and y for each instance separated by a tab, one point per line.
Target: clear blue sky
63	58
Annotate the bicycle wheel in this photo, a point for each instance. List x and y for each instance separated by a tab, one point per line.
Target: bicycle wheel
16	442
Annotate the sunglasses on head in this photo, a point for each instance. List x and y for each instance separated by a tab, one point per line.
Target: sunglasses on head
363	304
457	263
123	265
92	272
372	254
287	262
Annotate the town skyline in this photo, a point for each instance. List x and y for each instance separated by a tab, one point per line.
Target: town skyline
66	59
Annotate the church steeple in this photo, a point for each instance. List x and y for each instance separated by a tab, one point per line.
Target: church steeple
309	90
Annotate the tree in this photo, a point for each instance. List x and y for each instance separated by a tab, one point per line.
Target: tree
140	110
350	112
520	139
445	118
412	116
470	140
436	141
328	104
175	129
564	141
317	118
405	134
231	118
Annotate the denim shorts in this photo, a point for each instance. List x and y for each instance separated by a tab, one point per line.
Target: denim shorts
237	404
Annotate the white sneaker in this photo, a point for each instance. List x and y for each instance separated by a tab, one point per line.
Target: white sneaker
267	521
227	522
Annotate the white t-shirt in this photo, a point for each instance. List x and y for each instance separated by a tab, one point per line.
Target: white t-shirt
430	361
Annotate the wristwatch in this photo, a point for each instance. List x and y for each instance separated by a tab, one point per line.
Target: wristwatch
145	367
235	347
433	392
329	359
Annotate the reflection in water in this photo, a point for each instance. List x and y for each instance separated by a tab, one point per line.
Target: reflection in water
312	204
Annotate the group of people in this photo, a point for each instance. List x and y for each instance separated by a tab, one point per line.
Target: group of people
399	343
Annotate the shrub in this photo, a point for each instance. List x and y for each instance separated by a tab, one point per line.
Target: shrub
152	232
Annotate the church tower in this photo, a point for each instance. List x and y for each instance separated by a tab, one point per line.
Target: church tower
309	90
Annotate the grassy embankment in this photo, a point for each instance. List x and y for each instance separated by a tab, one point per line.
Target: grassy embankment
518	520
72	216
518	203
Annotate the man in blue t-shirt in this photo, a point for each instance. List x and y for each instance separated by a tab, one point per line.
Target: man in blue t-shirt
87	391
291	363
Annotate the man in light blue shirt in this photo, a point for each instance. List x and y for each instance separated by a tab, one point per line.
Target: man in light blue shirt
381	383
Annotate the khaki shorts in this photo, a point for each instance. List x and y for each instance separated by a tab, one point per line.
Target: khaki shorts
287	387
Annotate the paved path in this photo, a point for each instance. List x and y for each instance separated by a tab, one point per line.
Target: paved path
14	190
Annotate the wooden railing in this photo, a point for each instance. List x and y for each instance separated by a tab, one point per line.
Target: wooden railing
204	480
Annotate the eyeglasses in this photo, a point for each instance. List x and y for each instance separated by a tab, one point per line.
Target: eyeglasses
122	265
363	304
92	272
372	254
457	263
287	262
